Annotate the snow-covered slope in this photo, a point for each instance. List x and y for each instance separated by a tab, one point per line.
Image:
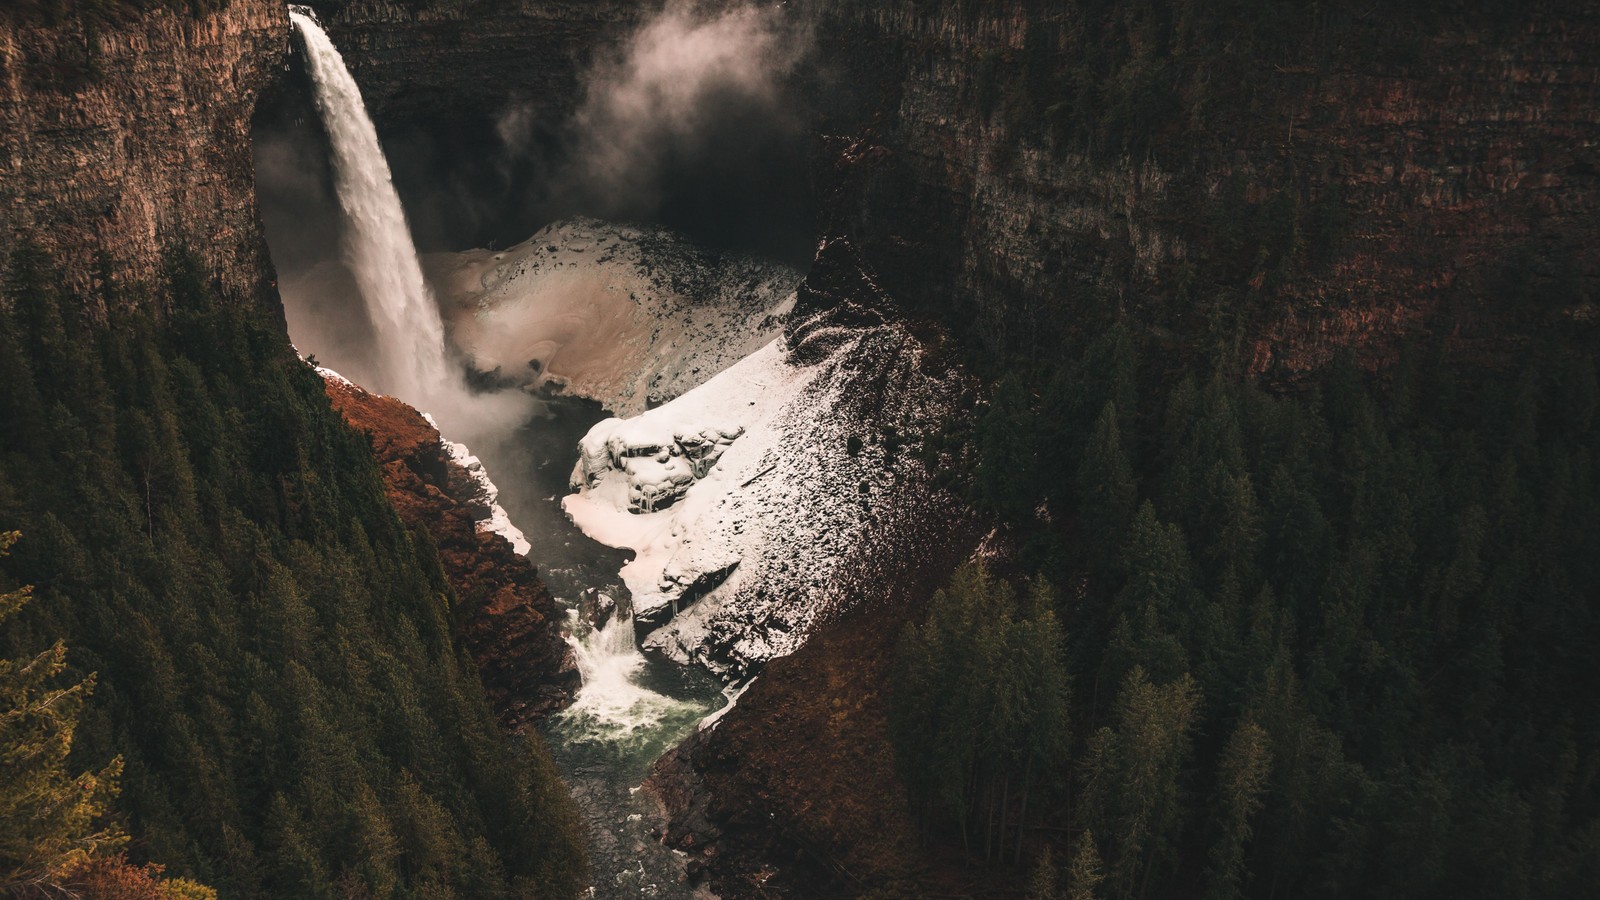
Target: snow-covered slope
810	439
626	316
470	484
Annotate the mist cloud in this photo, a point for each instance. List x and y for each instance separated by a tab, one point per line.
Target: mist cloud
695	91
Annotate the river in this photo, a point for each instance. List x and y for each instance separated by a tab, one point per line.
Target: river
633	706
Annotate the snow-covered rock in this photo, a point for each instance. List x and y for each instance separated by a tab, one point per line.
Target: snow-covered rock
630	317
479	493
744	559
659	457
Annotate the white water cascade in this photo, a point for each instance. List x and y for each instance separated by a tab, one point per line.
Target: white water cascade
611	704
377	242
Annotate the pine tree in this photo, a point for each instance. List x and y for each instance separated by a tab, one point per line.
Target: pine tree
1042	883
1132	776
1007	435
1242	777
50	821
1105	486
1086	872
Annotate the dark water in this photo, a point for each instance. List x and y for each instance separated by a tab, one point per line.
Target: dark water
604	766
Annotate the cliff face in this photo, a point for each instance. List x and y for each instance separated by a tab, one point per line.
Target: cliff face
1338	203
1392	173
505	616
1445	182
135	139
460	59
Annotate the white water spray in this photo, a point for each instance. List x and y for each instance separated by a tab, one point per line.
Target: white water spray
612	705
377	242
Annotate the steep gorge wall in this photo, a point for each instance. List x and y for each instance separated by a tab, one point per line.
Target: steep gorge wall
1379	174
504	615
135	138
1399	180
455	59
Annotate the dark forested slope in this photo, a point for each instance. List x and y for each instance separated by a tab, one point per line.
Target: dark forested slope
274	658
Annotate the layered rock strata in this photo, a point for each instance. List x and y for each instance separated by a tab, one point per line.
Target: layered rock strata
459	59
1383	189
121	144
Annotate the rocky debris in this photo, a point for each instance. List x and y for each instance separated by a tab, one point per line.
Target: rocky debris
504	616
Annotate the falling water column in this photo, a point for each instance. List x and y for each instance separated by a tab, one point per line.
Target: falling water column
377	242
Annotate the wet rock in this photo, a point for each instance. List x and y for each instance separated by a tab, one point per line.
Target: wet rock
596	608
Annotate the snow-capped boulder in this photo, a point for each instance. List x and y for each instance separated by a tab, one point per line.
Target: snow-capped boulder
658	458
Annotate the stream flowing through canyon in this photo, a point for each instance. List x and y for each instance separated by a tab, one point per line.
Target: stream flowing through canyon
632	706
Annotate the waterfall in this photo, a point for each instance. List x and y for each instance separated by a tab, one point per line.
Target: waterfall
611	704
377	242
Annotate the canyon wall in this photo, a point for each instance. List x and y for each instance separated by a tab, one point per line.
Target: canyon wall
460	59
1028	171
126	136
134	139
1414	172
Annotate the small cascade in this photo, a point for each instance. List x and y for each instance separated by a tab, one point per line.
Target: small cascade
612	705
377	241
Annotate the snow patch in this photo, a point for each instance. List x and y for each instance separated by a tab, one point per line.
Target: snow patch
630	317
737	567
480	494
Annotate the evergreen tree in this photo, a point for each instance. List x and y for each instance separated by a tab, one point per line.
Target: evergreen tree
51	822
277	668
1133	773
1242	777
1086	872
1105	486
1042	883
1006	436
980	706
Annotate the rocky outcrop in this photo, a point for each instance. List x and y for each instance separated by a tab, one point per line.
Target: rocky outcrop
504	615
793	792
1375	186
132	140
